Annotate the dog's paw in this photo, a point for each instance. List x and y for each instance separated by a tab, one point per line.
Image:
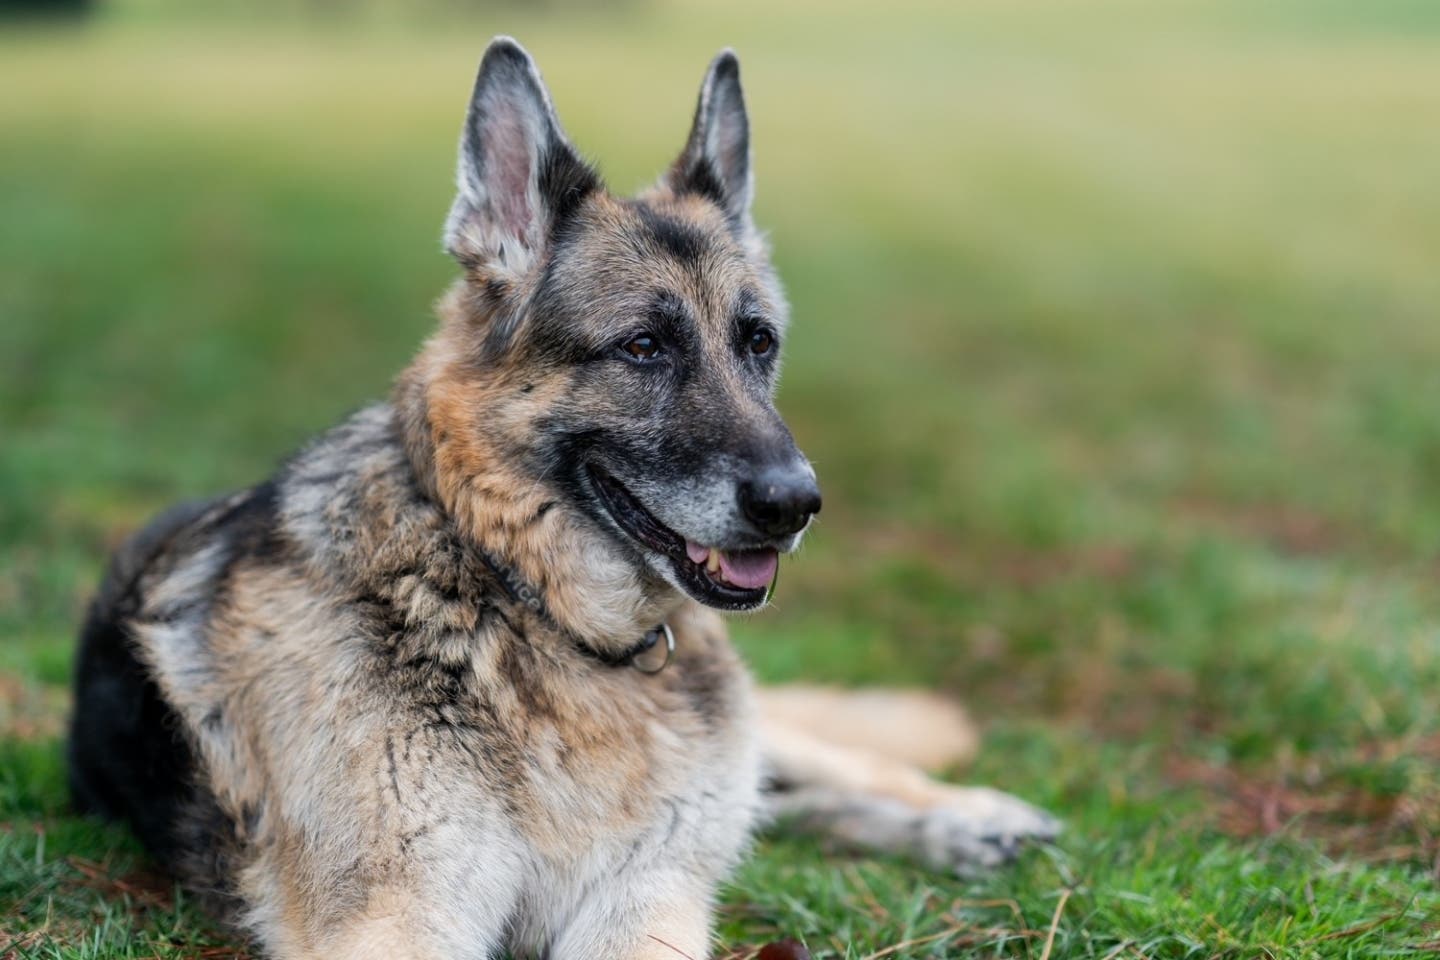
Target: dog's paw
950	829
973	828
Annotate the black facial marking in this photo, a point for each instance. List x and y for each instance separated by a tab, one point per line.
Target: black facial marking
669	308
680	240
670	319
747	314
553	327
552	333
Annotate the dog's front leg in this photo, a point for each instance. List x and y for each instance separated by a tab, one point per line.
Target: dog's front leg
395	924
391	927
443	902
660	915
868	800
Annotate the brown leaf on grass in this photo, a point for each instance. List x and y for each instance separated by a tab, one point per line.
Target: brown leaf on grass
1010	564
784	950
15	945
1037	568
145	888
1284	527
1341	816
214	953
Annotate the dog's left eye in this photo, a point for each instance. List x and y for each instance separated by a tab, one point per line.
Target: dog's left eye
762	342
643	347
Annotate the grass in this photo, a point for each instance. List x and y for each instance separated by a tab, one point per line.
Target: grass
1115	346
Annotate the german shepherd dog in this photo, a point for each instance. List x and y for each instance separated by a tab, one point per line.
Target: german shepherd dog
451	683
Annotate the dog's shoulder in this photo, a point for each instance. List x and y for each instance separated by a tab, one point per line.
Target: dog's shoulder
351	509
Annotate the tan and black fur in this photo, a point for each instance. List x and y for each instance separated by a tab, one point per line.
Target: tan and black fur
395	701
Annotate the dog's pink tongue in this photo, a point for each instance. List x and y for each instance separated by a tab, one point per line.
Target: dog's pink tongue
749	568
696	553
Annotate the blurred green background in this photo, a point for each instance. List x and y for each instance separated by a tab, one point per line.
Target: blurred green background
1116	344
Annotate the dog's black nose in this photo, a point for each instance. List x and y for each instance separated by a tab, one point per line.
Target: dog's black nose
780	501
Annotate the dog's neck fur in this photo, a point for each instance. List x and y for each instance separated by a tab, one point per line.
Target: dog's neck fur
590	586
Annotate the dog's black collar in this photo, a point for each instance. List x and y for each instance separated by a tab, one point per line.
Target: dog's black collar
636	656
522	593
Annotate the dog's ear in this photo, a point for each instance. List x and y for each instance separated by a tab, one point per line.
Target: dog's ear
716	160
519	177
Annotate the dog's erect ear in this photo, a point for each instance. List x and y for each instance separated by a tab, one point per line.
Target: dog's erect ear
519	178
716	160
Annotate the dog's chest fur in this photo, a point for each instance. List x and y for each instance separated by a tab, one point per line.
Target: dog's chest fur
367	700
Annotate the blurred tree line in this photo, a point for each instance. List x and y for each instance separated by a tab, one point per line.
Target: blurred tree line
45	8
317	9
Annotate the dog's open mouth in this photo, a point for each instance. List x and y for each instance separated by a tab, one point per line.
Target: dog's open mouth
728	579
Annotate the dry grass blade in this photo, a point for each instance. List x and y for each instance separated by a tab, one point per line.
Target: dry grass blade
740	953
867	895
907	944
1054	925
670	946
1356	930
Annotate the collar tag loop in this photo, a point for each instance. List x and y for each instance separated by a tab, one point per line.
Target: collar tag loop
645	660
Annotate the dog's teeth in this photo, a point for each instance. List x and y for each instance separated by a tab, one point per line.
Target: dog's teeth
714	562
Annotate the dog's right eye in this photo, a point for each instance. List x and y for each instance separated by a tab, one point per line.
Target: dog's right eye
642	348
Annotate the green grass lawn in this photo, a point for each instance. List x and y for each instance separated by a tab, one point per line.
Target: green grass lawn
1116	345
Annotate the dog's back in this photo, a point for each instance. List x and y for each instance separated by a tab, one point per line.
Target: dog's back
129	756
125	760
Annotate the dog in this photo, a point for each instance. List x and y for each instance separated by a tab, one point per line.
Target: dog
453	681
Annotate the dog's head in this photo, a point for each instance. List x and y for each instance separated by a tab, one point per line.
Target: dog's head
620	354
